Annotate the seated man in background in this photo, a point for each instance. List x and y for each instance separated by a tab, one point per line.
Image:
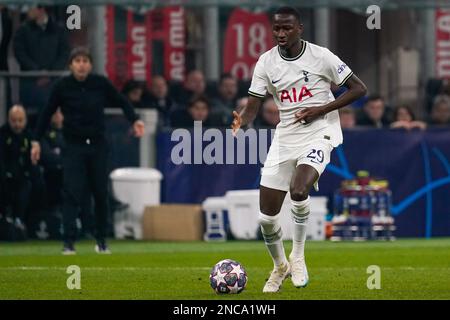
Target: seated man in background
134	91
18	170
194	87
440	112
159	98
197	110
374	113
347	117
224	104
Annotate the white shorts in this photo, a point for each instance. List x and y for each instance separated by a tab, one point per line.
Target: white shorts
282	161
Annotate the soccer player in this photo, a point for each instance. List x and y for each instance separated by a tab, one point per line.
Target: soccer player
298	74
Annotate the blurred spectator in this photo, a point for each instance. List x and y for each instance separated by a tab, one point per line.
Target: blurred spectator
194	87
5	39
5	36
373	113
404	118
197	110
270	116
159	98
134	91
15	151
347	117
224	104
39	45
440	112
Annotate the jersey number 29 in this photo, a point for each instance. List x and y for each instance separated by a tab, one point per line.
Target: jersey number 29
316	156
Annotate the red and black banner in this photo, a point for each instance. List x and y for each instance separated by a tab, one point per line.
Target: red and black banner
248	35
142	44
442	23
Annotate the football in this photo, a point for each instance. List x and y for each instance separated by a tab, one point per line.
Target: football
227	277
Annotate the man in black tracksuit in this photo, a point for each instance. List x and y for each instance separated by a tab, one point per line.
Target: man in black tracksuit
17	169
82	98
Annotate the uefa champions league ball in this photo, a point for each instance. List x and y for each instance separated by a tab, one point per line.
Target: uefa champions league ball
228	276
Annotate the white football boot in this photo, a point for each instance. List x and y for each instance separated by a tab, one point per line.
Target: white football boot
276	278
299	273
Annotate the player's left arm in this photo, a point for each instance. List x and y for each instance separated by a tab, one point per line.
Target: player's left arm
335	71
356	89
119	100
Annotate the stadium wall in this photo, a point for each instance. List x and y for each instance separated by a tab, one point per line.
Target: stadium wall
416	164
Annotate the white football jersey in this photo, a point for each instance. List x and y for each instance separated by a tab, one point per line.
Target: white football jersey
301	82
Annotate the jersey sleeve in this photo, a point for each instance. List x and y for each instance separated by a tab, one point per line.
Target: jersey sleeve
258	87
334	69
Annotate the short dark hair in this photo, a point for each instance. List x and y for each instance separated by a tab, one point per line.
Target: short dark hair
225	76
407	108
289	11
374	97
131	85
198	99
80	51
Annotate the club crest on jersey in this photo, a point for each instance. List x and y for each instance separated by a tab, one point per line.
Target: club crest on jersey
294	95
305	74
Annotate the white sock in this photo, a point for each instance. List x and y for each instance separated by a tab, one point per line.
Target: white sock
300	213
272	234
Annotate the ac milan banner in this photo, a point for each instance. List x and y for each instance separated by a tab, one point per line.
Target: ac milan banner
128	50
142	44
248	35
174	47
442	43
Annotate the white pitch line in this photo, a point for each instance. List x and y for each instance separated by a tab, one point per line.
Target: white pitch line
37	268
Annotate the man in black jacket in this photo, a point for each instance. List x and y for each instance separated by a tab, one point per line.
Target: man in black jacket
82	97
40	44
17	167
5	36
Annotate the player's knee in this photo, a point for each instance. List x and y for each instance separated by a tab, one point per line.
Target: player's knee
267	222
270	227
299	193
300	211
270	208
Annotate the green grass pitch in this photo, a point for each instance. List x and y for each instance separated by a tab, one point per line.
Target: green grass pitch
410	269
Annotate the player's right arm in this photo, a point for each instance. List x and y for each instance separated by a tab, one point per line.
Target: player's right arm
256	94
247	114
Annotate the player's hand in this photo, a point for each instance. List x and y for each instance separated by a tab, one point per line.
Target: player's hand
35	152
236	124
138	128
308	115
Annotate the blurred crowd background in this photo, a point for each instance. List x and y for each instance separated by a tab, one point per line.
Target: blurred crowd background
194	63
